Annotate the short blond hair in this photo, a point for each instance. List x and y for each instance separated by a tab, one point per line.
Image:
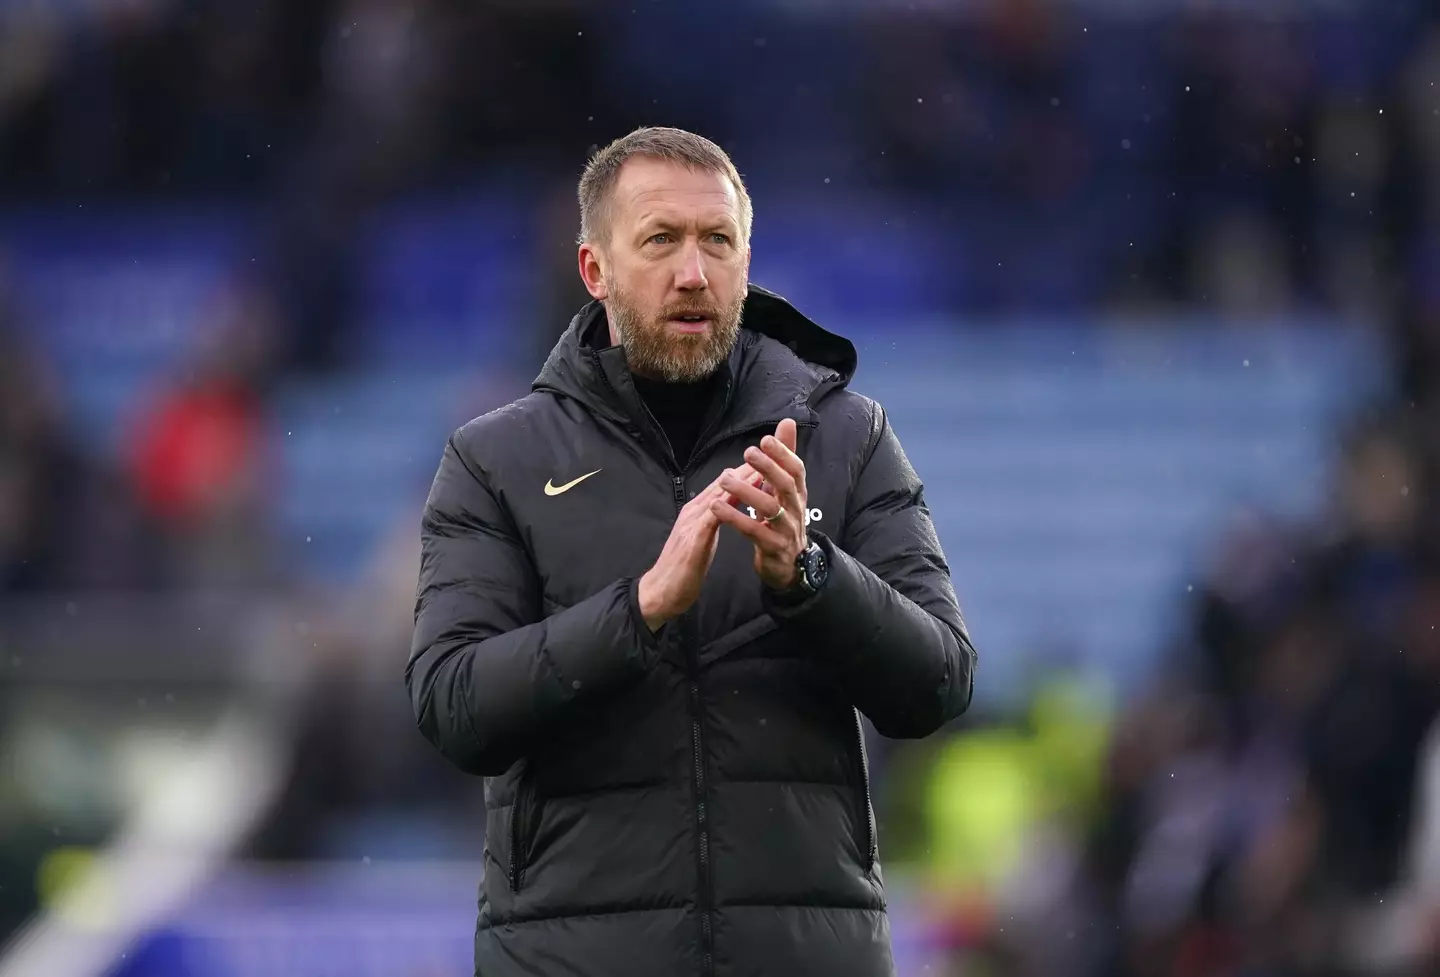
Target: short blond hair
597	183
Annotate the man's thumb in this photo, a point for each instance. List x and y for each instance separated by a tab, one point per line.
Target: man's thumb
785	433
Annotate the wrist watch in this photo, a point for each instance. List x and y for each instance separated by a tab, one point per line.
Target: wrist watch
812	569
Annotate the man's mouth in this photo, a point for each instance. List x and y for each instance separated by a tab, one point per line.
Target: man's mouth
695	322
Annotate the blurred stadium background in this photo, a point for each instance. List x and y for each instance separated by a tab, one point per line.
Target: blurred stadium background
1151	289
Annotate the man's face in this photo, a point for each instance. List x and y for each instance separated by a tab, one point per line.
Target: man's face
674	271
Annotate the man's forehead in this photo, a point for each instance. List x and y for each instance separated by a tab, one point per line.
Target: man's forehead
652	185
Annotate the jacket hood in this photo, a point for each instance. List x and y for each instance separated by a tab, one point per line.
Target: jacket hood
584	366
773	316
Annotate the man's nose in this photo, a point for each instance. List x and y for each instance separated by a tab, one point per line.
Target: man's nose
690	275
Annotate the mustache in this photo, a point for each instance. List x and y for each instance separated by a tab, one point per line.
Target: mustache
704	311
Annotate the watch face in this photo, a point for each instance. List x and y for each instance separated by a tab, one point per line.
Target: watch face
816	567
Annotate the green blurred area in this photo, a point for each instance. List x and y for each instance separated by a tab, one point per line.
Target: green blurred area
961	808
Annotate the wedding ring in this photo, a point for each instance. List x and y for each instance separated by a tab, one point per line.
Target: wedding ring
775	518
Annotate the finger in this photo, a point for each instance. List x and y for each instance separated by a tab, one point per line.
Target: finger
780	480
754	496
787	433
788	460
756	530
715	490
714	485
785	455
744	475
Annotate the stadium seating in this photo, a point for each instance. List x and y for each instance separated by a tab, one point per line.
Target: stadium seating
1016	432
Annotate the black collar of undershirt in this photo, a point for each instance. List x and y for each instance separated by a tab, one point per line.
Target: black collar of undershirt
680	409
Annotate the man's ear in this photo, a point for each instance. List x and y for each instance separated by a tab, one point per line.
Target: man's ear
592	271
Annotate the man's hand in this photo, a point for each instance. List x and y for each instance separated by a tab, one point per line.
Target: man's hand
670	586
778	532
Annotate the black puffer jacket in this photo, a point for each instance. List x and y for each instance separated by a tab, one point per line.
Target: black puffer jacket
694	802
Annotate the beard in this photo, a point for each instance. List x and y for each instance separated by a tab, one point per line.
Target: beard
654	351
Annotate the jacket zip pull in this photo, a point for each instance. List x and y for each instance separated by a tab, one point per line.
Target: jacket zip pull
871	849
702	820
517	835
703	829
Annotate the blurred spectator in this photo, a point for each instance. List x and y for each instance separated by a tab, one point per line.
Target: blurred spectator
65	522
199	454
362	784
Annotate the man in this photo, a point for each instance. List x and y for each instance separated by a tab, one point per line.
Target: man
653	595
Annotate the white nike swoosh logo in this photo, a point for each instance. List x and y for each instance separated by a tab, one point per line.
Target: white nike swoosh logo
558	489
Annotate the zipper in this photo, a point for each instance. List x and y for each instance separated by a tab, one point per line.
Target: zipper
704	896
697	741
697	750
518	836
870	851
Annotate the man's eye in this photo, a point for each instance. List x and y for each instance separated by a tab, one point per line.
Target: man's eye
720	238
661	238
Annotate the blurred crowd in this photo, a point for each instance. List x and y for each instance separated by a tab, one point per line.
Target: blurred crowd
1271	808
1223	161
182	505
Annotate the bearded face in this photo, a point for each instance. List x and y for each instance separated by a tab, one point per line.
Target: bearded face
683	341
674	267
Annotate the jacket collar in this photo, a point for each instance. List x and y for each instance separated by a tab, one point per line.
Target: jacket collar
782	364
